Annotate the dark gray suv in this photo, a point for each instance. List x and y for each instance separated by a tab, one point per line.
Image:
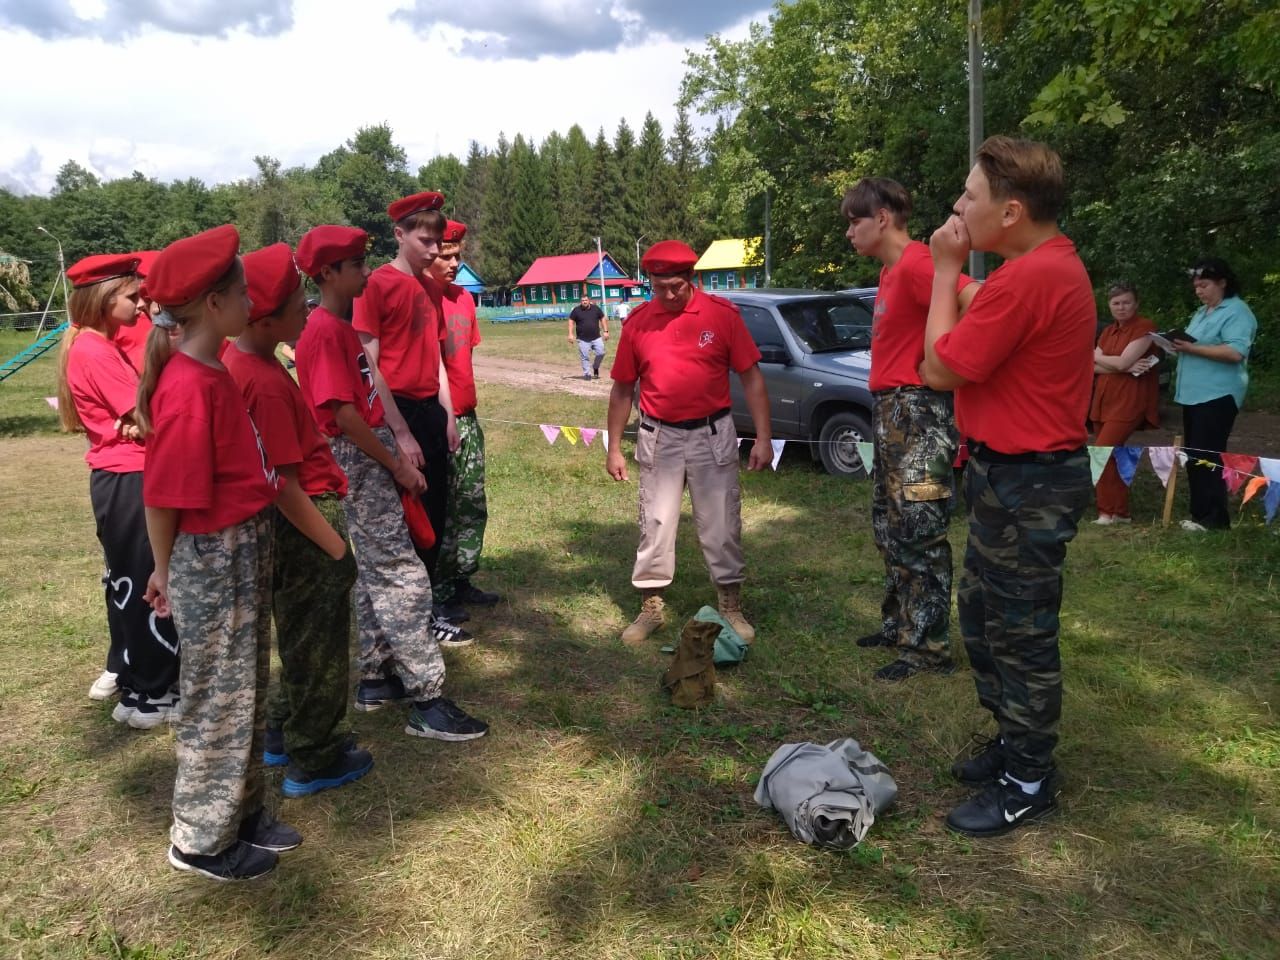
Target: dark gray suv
814	354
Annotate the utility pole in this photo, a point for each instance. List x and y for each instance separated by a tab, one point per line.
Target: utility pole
643	236
768	239
604	294
977	261
62	274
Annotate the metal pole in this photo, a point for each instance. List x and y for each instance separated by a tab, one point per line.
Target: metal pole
62	274
604	296
977	261
768	239
639	277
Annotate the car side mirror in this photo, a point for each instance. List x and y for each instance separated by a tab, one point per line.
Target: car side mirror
774	353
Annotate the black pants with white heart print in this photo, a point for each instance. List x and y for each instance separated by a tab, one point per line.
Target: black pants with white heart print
144	647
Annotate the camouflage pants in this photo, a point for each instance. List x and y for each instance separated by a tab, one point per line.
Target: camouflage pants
1021	518
311	599
915	444
468	511
393	591
220	591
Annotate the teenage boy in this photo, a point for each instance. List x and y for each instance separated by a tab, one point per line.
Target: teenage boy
313	567
1020	363
915	437
401	332
467	512
399	640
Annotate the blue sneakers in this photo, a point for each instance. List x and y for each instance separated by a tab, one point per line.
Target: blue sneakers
351	766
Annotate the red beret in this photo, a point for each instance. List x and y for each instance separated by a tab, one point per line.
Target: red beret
145	259
189	267
667	257
326	245
272	277
408	206
102	266
454	232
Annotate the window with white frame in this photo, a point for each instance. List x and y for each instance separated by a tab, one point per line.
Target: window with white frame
730	281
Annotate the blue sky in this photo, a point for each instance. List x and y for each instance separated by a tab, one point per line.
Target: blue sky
179	88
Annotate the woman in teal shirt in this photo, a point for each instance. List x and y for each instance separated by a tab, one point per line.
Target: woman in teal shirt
1212	378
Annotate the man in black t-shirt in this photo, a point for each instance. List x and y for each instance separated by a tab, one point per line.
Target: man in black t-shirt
589	327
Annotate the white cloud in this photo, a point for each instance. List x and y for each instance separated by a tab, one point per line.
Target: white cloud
175	106
116	20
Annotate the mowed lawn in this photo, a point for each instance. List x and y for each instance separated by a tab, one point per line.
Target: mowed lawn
597	821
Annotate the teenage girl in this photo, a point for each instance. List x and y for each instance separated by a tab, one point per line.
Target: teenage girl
97	389
208	492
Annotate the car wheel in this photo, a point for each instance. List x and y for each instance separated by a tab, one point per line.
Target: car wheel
838	444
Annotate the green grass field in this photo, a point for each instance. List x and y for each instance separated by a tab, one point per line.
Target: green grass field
597	821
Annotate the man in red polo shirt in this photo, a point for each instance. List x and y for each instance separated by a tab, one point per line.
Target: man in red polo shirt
468	512
915	437
400	330
681	347
1020	363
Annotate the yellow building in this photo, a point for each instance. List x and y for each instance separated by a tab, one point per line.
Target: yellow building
731	265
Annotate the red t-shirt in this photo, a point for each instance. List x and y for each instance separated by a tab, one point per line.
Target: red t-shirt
461	336
204	458
288	431
682	360
333	370
132	341
396	310
902	308
104	387
1026	346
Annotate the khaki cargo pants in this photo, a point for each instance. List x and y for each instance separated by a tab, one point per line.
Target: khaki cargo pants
705	460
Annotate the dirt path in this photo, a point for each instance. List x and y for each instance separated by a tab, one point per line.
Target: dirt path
1255	432
548	377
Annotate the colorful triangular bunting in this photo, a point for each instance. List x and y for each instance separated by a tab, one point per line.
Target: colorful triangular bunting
866	451
550	432
1126	459
588	434
777	451
571	434
1098	457
1161	462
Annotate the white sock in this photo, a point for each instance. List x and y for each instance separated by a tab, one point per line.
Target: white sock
1030	789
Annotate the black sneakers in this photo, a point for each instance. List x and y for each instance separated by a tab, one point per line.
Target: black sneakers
354	763
469	595
877	639
238	862
448	635
441	719
450	611
1003	806
265	832
984	762
373	694
902	669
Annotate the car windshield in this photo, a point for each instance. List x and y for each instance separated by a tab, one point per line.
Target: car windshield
829	323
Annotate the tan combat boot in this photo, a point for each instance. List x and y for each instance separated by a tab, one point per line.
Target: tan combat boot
653	617
730	604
